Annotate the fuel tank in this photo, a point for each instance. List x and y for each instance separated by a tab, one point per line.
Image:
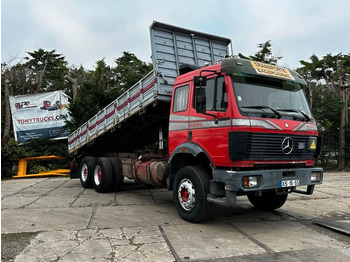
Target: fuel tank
152	172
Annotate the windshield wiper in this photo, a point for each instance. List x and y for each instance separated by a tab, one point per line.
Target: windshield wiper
307	117
264	107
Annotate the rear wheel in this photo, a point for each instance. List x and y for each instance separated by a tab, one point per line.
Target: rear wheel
103	177
191	187
117	173
269	201
86	171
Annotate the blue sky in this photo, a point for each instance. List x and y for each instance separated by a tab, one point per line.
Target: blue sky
85	31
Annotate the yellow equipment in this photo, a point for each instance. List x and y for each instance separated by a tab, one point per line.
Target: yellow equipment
22	168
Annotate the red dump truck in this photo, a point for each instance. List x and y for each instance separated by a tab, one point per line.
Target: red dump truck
234	127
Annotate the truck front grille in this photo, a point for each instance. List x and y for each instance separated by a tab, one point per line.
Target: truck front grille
268	146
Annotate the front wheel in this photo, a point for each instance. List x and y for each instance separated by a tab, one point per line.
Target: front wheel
191	187
269	201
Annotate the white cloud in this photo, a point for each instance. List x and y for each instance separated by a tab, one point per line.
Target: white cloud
86	31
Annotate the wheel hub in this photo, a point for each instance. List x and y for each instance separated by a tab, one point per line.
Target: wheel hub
84	172
186	194
97	175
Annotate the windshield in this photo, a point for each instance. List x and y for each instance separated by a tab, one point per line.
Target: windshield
270	98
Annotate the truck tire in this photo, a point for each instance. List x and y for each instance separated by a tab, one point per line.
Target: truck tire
269	201
117	173
86	171
102	176
191	187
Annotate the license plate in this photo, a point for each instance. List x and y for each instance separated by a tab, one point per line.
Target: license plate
290	183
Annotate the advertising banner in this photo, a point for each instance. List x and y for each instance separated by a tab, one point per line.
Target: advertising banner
39	116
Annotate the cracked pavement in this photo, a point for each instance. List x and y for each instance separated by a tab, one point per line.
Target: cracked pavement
141	224
119	244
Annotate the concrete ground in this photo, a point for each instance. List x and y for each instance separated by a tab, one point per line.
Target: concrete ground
61	221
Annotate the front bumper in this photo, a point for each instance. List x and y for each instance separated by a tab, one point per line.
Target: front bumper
231	183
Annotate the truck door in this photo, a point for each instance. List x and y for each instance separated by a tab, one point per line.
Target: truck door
210	130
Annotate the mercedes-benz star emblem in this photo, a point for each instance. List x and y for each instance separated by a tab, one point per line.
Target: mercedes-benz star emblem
287	145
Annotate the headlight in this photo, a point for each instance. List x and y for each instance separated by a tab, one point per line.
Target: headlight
316	177
251	181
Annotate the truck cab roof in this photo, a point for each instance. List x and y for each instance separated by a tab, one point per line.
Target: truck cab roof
238	66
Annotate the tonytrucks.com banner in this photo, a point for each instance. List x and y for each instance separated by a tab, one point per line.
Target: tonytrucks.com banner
39	116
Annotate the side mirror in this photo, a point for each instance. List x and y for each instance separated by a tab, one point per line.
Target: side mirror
200	80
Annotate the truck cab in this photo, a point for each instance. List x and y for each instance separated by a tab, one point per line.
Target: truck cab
247	125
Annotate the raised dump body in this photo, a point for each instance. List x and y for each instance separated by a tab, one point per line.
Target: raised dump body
133	119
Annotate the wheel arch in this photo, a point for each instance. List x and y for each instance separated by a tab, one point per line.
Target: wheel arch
188	154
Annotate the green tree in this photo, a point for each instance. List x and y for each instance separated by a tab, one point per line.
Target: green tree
328	81
46	70
103	76
90	99
130	70
13	82
103	85
264	54
76	77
